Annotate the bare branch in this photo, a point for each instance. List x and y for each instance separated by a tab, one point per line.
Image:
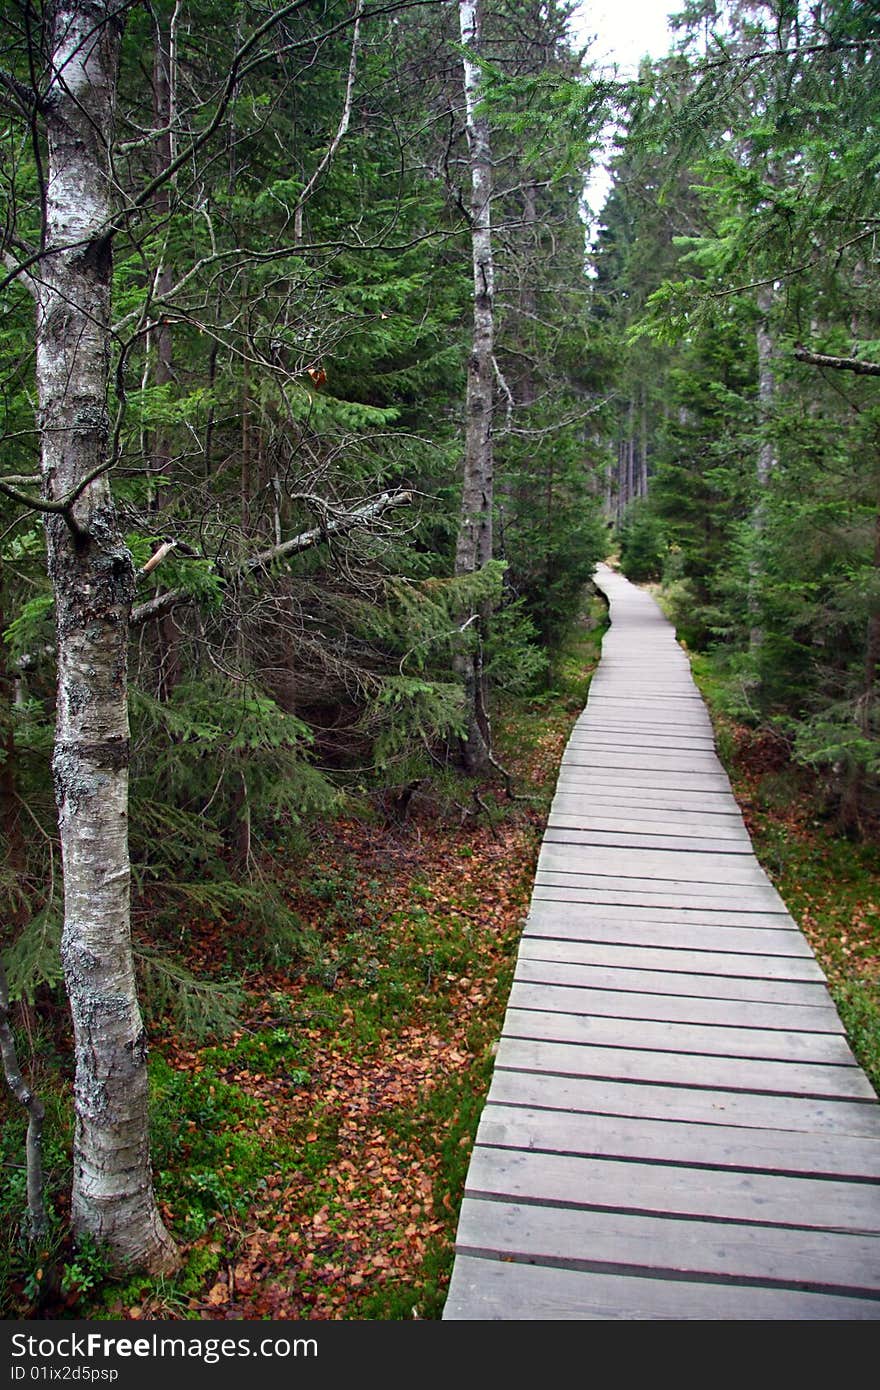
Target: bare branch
363	516
156	559
62	505
840	364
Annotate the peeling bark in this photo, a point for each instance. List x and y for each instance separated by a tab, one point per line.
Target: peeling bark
93	580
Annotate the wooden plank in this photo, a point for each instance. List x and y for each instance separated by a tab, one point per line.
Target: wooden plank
562	872
674	779
805	1116
587	815
638	694
806	1260
497	1290
556	997
640	898
627	739
713	1072
718	1194
560	834
736	1147
668	933
682	717
678	984
641	760
652	863
637	813
675	897
672	957
625	729
653	1035
572	915
715	807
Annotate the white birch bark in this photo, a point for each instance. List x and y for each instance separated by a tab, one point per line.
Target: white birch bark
474	545
643	445
767	459
93	580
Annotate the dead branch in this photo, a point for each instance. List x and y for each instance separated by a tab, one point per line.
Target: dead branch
306	540
840	364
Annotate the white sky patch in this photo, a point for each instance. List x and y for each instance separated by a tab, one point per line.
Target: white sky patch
624	32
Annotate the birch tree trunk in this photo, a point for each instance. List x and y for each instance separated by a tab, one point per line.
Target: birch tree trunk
766	460
474	547
93	580
643	445
168	664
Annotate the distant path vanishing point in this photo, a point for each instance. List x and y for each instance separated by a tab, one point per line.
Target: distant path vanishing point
676	1126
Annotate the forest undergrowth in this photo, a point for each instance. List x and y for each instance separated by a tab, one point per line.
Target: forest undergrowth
829	881
311	1163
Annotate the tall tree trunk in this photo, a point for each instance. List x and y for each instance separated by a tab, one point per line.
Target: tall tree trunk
10	817
168	660
643	445
93	579
851	801
621	479
528	299
766	460
474	547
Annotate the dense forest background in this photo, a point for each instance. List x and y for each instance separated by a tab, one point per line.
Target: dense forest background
332	259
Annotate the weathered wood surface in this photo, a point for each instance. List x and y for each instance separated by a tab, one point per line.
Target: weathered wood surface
676	1126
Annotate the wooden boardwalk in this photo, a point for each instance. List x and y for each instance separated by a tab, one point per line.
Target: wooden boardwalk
676	1126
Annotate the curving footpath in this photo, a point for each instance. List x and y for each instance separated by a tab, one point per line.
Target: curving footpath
676	1126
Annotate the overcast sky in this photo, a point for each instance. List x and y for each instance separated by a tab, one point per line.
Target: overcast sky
625	31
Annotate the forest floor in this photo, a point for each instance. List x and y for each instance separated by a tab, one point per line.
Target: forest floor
311	1164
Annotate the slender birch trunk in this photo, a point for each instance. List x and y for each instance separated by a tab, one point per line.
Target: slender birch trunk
765	463
474	547
93	580
767	459
168	662
643	445
9	808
